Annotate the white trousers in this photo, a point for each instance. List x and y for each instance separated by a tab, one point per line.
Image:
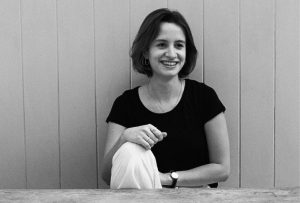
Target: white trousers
134	167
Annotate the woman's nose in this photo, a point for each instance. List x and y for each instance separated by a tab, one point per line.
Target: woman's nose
170	52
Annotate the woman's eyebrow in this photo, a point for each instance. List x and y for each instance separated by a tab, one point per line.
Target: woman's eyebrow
163	40
160	40
181	41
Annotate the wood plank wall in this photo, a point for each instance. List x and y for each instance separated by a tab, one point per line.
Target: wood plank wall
62	64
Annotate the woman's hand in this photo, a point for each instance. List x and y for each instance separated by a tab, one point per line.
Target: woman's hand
165	179
145	135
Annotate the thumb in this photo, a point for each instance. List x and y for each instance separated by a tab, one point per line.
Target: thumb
164	134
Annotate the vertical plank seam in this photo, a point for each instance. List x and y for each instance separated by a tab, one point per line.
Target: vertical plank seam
129	42
203	42
23	90
58	99
95	94
240	94
274	90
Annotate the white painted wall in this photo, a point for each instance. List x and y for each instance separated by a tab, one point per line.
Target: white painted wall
62	64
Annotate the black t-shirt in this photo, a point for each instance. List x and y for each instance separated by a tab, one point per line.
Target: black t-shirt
185	146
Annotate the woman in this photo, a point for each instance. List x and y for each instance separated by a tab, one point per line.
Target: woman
170	132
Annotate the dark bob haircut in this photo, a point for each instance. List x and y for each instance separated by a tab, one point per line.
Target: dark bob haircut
148	32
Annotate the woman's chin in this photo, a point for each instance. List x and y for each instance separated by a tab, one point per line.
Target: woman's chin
167	75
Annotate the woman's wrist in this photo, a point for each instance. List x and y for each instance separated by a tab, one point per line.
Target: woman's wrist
123	139
165	179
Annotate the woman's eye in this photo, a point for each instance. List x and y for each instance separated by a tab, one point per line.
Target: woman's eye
161	45
180	45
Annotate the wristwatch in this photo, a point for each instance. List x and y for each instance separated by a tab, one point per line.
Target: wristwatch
174	176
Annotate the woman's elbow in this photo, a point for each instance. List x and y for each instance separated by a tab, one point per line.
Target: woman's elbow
224	177
105	177
105	174
225	173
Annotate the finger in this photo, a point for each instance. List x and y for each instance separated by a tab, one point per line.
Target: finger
158	134
145	144
149	141
151	136
164	134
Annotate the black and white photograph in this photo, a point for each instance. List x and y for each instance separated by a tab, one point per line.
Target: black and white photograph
149	101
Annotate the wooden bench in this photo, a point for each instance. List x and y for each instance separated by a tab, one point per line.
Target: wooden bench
158	196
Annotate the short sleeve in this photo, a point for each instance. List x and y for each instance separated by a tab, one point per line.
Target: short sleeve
118	113
212	104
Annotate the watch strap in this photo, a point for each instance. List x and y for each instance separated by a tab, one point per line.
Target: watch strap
174	181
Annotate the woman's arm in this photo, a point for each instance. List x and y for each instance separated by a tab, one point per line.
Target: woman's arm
218	147
145	135
113	143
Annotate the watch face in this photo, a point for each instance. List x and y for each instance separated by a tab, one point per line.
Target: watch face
174	175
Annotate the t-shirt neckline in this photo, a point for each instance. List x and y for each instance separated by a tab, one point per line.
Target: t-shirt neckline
164	113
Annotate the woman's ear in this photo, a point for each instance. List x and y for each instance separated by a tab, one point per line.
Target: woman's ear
146	55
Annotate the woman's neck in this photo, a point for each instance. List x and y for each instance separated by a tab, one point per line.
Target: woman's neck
165	90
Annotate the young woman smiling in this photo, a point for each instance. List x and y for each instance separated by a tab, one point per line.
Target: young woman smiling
171	131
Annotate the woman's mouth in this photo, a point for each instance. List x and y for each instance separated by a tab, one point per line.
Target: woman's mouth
169	63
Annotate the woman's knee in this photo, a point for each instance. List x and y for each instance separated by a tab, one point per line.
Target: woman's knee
134	154
132	148
134	167
128	151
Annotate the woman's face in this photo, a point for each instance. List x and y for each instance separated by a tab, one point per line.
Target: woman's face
167	52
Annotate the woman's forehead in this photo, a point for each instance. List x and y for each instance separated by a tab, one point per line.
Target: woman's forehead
170	31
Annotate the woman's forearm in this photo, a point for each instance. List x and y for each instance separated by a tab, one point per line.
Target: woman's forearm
107	160
202	175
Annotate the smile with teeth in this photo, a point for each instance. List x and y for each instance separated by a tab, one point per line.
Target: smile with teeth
169	63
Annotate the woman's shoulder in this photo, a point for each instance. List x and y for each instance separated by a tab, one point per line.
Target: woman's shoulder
128	94
197	86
